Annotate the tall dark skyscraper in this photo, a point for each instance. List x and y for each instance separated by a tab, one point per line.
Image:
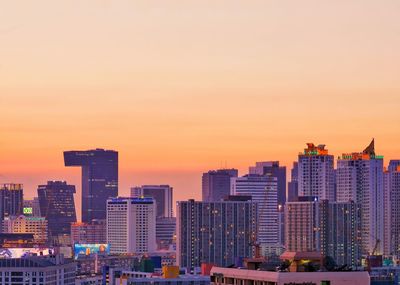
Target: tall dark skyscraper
216	184
99	180
11	200
56	200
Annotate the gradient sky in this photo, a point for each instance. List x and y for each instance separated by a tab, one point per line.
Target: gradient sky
180	87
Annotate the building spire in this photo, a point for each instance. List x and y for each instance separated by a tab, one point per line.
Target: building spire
370	148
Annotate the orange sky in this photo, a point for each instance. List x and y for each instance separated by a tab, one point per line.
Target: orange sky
180	87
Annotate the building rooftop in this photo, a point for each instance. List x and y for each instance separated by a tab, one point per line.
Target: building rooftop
335	278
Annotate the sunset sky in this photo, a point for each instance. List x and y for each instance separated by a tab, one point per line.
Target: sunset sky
181	87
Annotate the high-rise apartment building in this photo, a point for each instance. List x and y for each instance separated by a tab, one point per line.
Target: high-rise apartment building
25	224
316	173
272	168
131	225
89	233
264	192
216	184
392	209
343	232
162	195
360	179
11	200
331	228
32	207
56	200
99	180
215	232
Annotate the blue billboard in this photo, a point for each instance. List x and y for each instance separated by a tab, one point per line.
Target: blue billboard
88	249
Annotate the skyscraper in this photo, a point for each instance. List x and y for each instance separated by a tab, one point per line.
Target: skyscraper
162	194
56	200
360	179
11	200
272	168
331	228
215	232
131	225
99	179
264	192
342	221
315	173
392	222
216	184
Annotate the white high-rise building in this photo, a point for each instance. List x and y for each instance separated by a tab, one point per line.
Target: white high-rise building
360	179
316	173
131	225
264	191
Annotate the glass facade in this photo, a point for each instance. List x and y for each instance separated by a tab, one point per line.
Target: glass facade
99	180
56	200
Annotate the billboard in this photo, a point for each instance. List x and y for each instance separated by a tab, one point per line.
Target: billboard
88	249
23	252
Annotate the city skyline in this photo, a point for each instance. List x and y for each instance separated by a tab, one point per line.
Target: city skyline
180	88
200	142
195	177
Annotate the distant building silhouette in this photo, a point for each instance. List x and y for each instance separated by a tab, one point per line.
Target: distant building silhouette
293	185
11	200
216	184
99	180
56	200
31	207
162	194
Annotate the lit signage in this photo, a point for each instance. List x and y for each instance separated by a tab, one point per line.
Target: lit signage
28	211
88	249
23	252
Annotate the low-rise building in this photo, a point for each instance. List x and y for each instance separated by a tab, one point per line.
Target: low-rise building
89	233
95	264
222	276
89	280
143	278
23	224
38	270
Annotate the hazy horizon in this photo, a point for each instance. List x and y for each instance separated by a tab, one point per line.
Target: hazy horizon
181	87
